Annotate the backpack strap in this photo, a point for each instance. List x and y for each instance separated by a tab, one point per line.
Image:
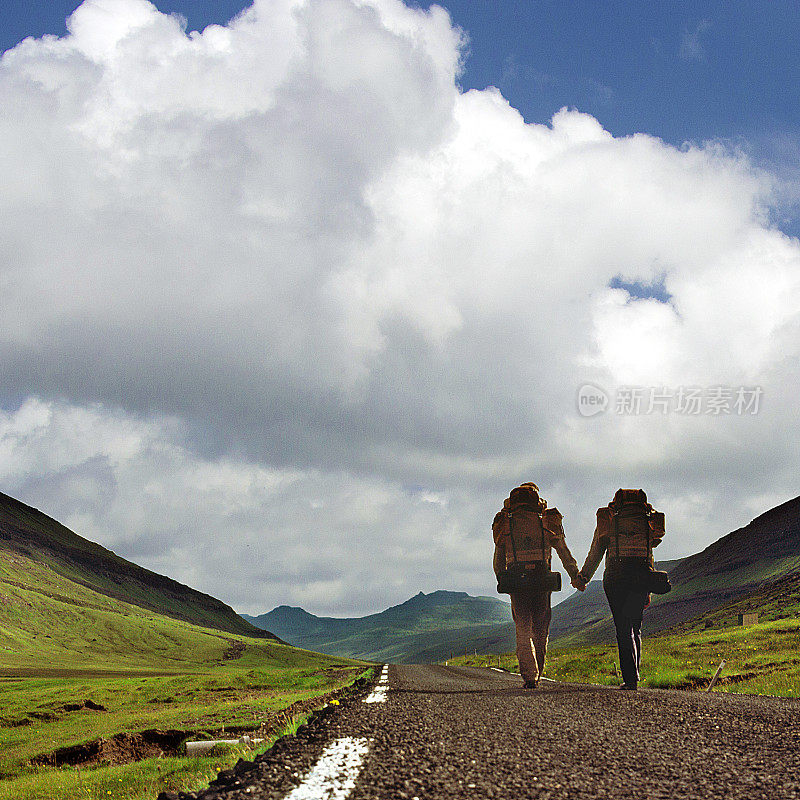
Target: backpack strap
511	534
541	527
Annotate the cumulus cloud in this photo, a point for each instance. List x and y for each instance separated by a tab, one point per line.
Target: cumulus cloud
278	296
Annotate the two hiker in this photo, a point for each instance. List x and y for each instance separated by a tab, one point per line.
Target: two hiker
524	532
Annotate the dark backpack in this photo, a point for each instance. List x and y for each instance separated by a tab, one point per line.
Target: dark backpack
633	516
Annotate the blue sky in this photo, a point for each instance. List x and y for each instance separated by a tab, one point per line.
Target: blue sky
680	71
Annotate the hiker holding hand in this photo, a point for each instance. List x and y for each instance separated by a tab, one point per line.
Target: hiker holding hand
627	531
524	532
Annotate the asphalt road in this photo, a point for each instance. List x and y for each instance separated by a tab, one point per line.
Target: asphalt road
441	732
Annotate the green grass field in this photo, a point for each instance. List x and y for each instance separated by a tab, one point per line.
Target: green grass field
221	701
63	644
760	659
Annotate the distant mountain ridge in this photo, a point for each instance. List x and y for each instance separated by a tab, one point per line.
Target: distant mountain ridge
34	535
427	627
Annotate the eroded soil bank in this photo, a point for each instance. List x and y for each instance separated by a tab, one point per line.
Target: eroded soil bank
125	748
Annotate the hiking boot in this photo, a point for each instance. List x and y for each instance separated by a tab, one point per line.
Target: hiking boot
628	687
530	684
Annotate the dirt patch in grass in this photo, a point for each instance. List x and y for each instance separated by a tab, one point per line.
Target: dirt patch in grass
738	678
59	711
51	714
235	650
122	748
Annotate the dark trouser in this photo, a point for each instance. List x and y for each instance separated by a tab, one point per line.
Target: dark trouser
627	607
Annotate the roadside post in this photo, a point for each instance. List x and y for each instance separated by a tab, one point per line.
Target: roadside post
716	675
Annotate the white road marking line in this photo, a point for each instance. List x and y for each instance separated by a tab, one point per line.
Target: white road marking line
379	692
378	695
334	775
496	669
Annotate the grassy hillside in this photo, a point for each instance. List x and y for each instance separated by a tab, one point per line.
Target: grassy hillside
423	629
64	644
46	618
773	600
29	533
580	611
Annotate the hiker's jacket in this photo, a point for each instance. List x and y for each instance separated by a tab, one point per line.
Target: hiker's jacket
530	548
622	546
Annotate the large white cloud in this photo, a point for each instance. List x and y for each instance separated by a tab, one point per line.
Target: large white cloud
288	258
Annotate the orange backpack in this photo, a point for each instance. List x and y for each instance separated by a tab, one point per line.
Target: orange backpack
526	562
525	525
